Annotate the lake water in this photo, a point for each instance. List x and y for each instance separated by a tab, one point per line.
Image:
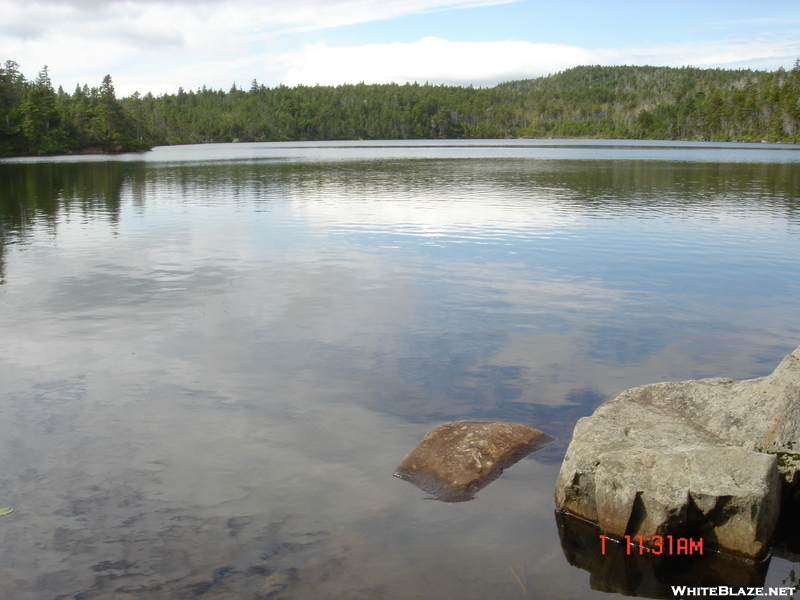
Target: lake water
215	356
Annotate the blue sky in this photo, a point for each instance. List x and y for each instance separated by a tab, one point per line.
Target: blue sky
159	45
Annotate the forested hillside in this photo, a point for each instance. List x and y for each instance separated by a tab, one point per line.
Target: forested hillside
602	102
36	120
663	103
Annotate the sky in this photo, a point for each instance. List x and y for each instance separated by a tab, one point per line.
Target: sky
160	45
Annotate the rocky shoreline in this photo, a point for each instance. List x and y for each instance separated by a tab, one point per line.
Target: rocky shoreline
714	459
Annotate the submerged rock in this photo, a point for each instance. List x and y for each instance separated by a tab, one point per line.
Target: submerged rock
456	460
693	459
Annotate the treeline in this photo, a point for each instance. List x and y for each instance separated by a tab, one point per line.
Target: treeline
663	103
35	119
599	102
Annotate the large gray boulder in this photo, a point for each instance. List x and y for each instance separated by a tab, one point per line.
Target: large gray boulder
693	459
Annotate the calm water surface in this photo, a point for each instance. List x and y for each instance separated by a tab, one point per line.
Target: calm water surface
214	356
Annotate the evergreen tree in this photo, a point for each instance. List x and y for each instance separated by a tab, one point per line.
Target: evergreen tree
40	116
12	86
590	101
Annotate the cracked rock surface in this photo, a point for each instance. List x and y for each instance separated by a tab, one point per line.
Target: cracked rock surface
704	458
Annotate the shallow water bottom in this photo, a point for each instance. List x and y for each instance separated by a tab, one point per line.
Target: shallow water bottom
211	366
117	502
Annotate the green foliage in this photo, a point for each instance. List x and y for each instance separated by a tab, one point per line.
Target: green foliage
584	102
664	103
37	120
12	85
594	101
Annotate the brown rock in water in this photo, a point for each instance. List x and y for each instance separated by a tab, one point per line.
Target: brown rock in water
456	460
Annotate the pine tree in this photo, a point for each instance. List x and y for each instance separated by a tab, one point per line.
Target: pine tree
40	117
12	87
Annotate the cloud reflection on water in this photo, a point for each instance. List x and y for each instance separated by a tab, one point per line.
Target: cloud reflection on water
210	371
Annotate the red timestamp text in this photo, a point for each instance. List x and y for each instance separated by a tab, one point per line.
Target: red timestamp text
657	544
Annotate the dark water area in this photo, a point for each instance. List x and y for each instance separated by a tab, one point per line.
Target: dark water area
215	356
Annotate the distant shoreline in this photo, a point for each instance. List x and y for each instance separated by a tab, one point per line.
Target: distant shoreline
591	102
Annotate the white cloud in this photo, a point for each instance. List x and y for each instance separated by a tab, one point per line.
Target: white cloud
191	20
769	51
159	45
431	59
305	15
488	63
